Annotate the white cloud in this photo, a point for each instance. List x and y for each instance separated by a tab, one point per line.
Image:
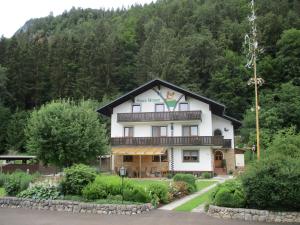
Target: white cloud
14	13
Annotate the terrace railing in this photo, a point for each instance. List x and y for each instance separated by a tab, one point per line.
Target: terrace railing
170	141
159	116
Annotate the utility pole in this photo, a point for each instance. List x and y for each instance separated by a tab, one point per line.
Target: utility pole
253	50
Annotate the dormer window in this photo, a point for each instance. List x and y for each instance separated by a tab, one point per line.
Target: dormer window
159	107
184	106
136	108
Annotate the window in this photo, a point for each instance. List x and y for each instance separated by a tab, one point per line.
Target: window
183	106
190	130
127	158
217	132
159	107
190	156
128	131
136	108
159	131
164	158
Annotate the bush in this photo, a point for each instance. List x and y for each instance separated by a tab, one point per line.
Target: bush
188	178
273	183
40	192
76	178
17	182
135	193
160	191
94	190
108	186
206	175
229	194
3	178
178	189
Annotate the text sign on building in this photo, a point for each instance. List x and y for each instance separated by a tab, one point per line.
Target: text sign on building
139	100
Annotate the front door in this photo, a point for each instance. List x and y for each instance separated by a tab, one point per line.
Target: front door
218	159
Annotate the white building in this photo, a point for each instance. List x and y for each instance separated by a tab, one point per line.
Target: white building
160	128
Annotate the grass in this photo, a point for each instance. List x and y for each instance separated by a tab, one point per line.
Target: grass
2	192
146	182
193	203
201	184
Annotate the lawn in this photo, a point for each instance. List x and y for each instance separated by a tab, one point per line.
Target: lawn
193	203
147	182
201	184
2	192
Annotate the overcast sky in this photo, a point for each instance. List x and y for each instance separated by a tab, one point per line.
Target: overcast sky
14	13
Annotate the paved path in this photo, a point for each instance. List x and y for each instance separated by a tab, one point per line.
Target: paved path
181	201
158	217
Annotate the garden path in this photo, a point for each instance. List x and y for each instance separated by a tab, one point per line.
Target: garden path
183	200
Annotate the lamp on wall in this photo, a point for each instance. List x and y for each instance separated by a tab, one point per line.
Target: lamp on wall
225	129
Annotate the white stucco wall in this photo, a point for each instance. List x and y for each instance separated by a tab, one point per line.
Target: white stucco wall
204	164
206	126
147	101
223	124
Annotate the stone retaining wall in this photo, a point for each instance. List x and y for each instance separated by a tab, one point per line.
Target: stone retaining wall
253	214
74	207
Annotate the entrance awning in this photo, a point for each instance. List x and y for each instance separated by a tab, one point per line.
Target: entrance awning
138	151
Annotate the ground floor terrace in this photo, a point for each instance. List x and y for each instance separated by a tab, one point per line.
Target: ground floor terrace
159	161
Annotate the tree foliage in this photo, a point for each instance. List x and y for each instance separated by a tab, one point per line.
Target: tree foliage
196	44
63	133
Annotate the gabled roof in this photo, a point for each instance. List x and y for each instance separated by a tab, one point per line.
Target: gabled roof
216	107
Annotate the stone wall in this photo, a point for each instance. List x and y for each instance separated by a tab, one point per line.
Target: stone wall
74	207
253	214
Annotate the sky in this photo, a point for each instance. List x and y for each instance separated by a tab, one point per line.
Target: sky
14	13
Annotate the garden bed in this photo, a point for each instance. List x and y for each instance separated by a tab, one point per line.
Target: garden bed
75	207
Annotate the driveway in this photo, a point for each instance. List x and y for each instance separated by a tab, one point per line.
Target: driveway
156	217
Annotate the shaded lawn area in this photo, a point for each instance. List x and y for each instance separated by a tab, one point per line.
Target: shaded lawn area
2	192
201	184
193	203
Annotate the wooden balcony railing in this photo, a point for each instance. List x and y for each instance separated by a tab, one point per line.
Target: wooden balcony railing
159	116
170	141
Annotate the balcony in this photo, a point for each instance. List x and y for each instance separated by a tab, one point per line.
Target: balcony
170	141
159	116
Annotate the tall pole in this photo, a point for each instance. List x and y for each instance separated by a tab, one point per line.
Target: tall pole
253	50
256	109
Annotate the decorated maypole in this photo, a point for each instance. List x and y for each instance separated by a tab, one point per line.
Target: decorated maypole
252	52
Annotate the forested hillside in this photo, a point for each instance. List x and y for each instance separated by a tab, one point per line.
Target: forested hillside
197	44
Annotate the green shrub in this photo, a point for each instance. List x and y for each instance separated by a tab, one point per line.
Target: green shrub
17	182
76	178
178	189
159	190
273	183
94	190
3	178
229	194
136	193
188	178
117	198
206	175
108	186
40	192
